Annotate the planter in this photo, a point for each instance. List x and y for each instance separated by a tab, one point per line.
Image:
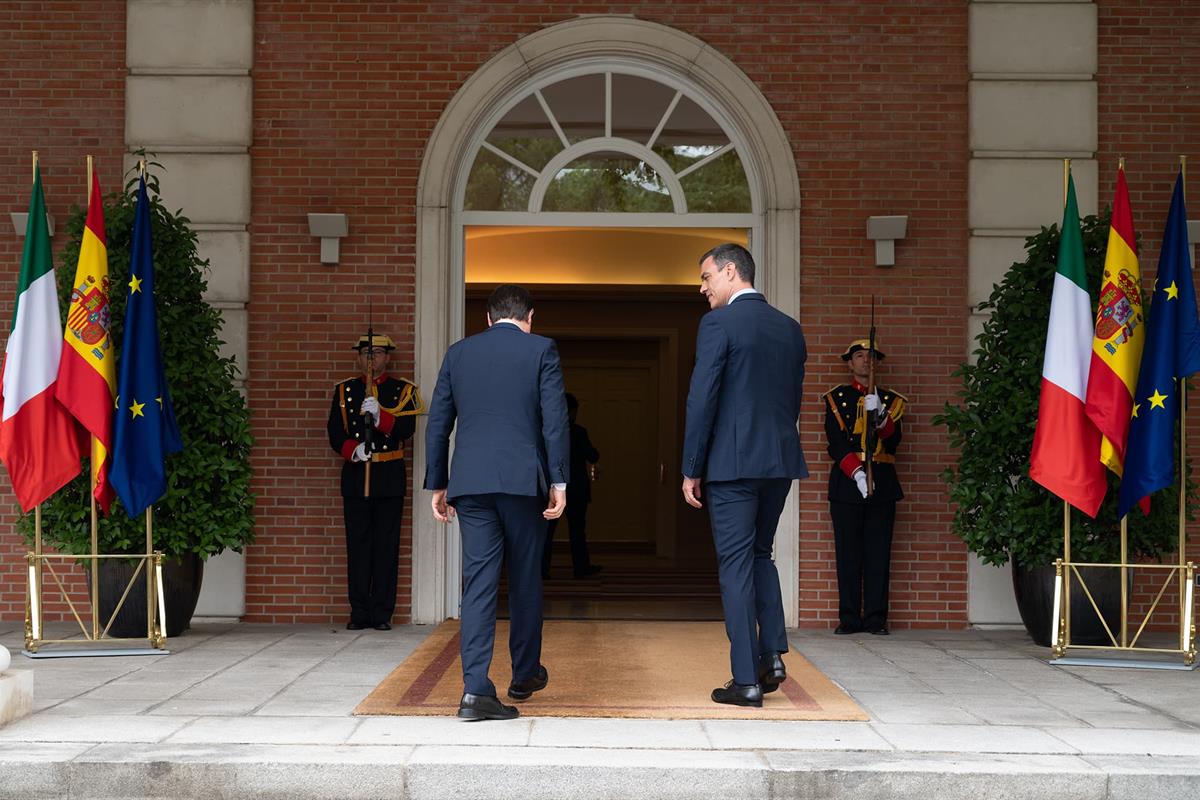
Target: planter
181	590
1034	590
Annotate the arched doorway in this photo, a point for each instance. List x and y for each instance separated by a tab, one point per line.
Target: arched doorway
615	57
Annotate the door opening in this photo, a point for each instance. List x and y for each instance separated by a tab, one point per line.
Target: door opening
627	351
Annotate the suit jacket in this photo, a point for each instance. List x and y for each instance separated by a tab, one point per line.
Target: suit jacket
845	424
579	488
504	390
400	403
745	396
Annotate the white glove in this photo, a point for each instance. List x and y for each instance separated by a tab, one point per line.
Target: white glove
860	478
360	453
370	405
871	402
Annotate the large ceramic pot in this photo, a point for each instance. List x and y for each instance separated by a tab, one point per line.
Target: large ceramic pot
1034	589
181	590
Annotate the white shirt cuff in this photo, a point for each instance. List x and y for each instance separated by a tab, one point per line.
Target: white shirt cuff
562	487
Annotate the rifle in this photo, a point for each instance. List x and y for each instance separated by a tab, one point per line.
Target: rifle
369	428
869	435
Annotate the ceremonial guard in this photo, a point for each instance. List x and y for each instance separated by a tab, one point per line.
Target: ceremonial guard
369	421
861	418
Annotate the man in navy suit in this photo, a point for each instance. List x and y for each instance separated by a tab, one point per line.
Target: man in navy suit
741	441
504	390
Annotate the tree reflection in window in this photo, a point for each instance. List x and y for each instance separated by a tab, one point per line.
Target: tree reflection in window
607	182
596	112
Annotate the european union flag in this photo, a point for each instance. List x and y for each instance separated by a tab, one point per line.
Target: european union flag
145	429
1172	353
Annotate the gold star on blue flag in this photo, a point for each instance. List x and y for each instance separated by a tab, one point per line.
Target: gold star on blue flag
1172	352
144	432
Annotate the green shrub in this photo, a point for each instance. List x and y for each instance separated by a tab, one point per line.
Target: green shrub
999	511
208	506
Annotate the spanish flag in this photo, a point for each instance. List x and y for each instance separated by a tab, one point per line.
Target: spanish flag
1120	335
87	370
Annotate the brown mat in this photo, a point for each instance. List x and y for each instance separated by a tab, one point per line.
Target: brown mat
600	668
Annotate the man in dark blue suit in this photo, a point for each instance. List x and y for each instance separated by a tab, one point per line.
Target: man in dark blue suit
504	390
741	440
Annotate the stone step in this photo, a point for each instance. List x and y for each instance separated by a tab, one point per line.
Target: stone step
530	773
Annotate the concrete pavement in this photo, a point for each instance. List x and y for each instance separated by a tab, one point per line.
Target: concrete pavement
265	711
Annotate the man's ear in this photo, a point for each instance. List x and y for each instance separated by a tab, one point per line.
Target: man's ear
529	319
488	316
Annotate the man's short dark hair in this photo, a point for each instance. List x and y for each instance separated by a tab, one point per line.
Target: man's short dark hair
730	253
571	401
509	301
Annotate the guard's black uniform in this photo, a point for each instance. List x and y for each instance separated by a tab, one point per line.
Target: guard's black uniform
862	528
373	523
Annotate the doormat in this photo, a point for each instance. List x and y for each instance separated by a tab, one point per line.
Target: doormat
610	668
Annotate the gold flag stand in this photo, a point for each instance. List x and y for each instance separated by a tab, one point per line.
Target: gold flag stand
1121	648
40	562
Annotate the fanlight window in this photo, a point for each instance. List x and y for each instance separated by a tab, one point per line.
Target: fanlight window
607	142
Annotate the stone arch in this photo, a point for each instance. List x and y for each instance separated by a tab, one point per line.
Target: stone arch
768	161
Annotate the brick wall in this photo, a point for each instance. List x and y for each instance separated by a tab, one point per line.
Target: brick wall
873	97
62	93
871	94
1149	111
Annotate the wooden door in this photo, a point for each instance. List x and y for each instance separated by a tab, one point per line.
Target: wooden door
618	404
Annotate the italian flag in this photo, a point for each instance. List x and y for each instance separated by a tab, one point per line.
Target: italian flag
1066	444
39	441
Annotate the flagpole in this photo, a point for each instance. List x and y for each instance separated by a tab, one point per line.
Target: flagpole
37	510
92	468
1183	615
150	592
1066	595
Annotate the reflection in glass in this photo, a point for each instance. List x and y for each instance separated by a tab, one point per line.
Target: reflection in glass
607	182
496	185
720	185
578	106
638	104
526	135
690	133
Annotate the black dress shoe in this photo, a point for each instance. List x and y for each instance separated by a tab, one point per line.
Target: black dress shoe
523	690
843	629
735	695
354	626
771	671
588	571
382	626
882	630
476	707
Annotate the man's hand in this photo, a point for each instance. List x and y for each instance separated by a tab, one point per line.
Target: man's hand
860	478
360	453
871	402
691	492
370	406
441	511
557	505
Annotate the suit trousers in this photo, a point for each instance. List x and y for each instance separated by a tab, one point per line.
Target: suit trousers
496	528
744	516
862	539
576	515
372	556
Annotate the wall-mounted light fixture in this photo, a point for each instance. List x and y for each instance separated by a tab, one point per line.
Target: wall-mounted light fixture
885	231
330	228
20	220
